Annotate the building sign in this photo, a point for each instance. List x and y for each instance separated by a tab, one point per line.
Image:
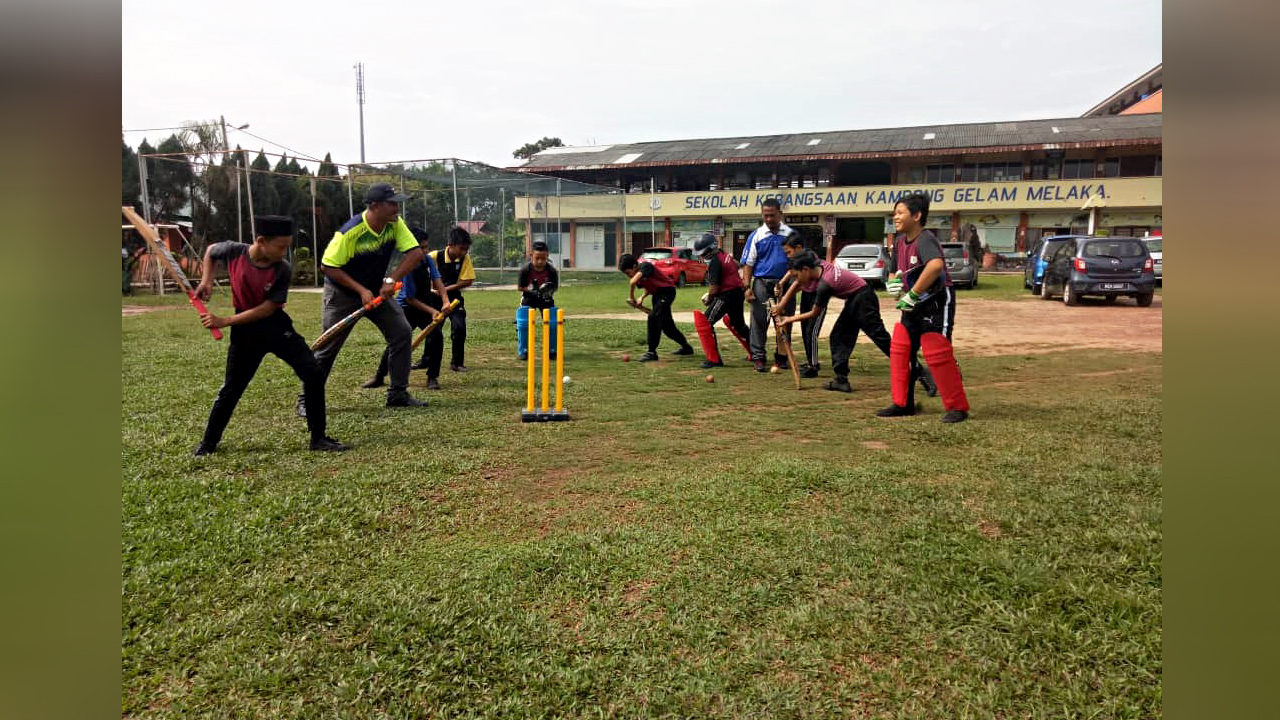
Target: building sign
802	219
1063	195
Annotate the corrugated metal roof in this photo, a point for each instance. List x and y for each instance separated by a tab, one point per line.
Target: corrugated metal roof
875	140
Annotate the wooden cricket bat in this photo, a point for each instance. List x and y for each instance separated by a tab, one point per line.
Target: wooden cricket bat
168	262
435	323
638	306
785	343
342	325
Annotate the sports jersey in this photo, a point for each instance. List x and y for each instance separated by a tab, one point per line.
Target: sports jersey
835	281
251	284
453	271
722	271
418	285
764	254
651	279
364	254
908	256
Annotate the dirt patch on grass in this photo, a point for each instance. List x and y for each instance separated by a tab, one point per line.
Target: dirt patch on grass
875	445
989	529
130	310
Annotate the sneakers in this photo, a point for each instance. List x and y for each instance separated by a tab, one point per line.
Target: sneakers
376	382
302	406
955	416
809	371
927	382
707	364
686	350
420	365
759	366
781	362
839	384
404	399
463	368
648	357
203	449
433	384
327	444
895	411
522	356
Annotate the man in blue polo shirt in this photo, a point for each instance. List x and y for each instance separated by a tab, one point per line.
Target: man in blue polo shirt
763	265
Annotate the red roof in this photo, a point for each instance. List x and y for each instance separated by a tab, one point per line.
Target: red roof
1152	103
472	226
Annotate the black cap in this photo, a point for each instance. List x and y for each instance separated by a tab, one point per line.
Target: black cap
383	192
273	226
539	246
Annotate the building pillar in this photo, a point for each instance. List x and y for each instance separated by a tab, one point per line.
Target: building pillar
528	238
1020	242
666	224
955	226
573	243
619	242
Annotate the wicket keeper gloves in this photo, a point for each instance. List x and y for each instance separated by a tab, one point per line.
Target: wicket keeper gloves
894	287
907	302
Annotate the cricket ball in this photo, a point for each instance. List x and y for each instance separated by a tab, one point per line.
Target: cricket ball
626	357
774	369
567	380
711	378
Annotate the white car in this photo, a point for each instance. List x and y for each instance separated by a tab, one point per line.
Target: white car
869	261
1155	246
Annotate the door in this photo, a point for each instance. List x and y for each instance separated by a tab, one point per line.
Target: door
590	250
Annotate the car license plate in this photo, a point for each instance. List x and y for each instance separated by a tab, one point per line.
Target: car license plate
1113	286
855	266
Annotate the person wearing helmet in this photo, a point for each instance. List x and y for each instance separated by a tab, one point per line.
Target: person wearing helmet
724	299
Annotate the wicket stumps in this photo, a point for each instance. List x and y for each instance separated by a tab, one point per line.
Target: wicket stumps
531	413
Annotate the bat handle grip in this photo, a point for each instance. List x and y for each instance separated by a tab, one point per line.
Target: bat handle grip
378	300
200	308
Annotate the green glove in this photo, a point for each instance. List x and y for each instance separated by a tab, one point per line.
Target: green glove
908	302
894	287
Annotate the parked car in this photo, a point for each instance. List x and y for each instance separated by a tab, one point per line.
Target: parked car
679	264
1155	246
870	262
1038	258
960	266
1104	266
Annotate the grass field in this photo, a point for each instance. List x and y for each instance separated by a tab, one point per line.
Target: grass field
681	549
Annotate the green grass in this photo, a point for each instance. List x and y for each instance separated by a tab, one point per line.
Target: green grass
680	549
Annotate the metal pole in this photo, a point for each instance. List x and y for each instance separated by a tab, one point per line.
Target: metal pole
315	238
559	226
351	201
227	146
502	232
146	195
623	240
454	164
248	189
653	228
360	102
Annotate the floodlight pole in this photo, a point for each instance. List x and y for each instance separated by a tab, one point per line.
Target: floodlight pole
559	225
453	163
315	238
351	201
502	232
239	213
248	189
360	101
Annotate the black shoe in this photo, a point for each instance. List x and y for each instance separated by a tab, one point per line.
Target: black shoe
895	411
839	384
551	355
376	382
781	362
955	416
463	368
433	384
302	406
759	366
707	364
686	350
420	365
648	357
404	400
927	382
327	444
522	357
202	450
808	371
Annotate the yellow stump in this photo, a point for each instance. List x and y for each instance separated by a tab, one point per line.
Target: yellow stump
559	361
546	360
533	358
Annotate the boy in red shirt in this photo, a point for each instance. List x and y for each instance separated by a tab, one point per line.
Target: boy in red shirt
724	299
663	290
259	288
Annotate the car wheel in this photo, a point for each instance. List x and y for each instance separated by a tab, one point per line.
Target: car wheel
1068	296
974	284
680	281
1144	300
1111	299
1041	291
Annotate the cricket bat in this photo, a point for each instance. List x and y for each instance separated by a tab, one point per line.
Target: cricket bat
785	343
435	323
638	306
345	323
168	262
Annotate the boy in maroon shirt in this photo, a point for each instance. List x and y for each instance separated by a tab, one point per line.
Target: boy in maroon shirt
259	279
537	283
861	310
724	299
928	314
663	290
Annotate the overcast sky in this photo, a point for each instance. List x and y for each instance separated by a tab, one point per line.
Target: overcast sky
476	79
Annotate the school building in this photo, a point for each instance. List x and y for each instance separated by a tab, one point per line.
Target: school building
1007	182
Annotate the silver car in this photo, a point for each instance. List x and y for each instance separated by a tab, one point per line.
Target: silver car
960	265
870	262
1155	246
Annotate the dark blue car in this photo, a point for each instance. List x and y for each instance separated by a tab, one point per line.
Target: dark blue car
1038	259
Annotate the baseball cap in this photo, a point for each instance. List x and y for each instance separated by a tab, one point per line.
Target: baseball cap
383	192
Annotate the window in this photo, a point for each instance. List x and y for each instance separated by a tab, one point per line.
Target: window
940	174
1116	248
916	176
969	173
1111	167
984	172
1072	169
1139	166
1007	172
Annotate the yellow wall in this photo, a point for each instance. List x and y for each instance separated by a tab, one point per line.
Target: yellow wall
865	200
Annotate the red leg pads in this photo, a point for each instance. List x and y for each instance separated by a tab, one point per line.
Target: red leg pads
706	336
900	365
942	361
745	345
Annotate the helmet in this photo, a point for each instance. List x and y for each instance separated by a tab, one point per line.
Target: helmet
706	246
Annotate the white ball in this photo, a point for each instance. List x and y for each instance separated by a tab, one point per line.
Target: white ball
567	380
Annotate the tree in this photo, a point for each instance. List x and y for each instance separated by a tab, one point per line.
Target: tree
169	180
266	201
130	183
528	150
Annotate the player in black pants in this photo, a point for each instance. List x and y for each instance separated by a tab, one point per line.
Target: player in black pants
663	290
421	299
724	299
259	279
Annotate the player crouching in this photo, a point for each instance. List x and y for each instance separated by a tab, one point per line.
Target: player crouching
723	300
